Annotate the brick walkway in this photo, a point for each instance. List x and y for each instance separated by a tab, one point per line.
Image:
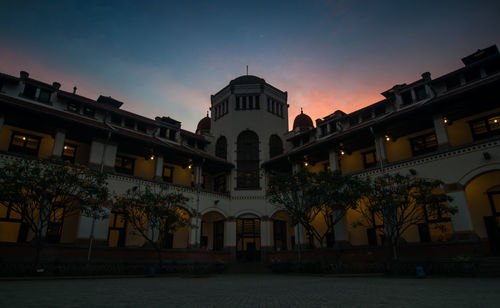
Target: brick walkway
252	291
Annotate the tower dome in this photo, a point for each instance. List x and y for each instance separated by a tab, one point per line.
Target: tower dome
302	121
204	125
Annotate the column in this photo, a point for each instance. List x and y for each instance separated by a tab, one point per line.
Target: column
194	236
102	154
2	122
299	235
57	149
101	227
197	174
333	158
159	167
440	129
461	221
265	237
380	141
230	236
340	230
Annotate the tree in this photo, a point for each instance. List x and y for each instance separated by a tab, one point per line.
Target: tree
42	192
149	210
305	196
399	202
337	194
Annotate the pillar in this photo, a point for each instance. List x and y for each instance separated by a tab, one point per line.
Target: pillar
102	153
159	167
299	235
101	227
333	158
197	174
380	141
58	147
194	236
230	236
2	122
461	221
440	129
340	229
265	237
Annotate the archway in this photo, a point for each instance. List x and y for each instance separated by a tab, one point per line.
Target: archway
212	231
483	199
248	238
175	235
283	235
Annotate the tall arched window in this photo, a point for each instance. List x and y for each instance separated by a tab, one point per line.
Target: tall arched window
275	146
221	147
248	160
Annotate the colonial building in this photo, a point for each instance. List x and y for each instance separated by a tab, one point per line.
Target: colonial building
445	128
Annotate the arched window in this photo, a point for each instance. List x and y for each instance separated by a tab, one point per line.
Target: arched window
275	146
221	147
248	160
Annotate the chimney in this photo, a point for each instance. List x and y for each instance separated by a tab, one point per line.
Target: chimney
74	90
426	76
24	75
56	85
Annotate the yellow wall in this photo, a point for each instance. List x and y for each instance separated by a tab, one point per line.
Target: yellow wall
289	230
459	131
182	176
144	168
46	143
401	148
477	200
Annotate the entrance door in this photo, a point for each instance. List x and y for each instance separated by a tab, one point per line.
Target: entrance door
279	235
493	222
218	235
248	239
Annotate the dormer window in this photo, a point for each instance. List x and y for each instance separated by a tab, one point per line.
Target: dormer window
141	127
44	96
29	91
379	110
89	111
420	93
353	120
171	135
406	97
115	119
472	75
73	107
452	82
129	123
163	132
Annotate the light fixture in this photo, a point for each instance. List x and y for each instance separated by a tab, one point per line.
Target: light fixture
189	166
342	152
65	147
152	157
24	138
306	164
495	121
387	138
445	120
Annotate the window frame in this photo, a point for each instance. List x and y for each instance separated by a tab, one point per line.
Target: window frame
426	147
121	169
23	149
489	132
367	164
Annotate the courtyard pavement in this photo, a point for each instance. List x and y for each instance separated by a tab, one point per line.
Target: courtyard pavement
252	291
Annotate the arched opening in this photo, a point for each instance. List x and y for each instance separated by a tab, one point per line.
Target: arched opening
283	233
212	231
248	238
221	147
483	200
248	160
174	234
275	146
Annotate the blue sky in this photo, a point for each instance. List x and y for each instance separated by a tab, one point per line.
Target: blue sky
167	57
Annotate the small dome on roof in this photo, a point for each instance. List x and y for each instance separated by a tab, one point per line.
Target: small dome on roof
302	121
247	79
204	125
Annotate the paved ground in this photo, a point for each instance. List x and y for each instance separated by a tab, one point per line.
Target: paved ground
252	291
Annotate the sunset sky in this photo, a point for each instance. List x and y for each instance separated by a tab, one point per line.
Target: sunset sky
165	58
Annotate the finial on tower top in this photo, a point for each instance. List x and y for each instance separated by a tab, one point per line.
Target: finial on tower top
247	70
207	113
301	110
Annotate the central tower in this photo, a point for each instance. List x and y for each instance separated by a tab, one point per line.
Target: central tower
249	120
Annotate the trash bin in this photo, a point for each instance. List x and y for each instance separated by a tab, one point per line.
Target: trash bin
420	271
151	271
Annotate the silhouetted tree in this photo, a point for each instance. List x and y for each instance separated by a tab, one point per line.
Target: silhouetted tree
42	192
398	201
148	210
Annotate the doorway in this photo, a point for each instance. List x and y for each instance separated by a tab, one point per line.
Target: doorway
248	239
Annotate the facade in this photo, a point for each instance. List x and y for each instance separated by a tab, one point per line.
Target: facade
445	128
